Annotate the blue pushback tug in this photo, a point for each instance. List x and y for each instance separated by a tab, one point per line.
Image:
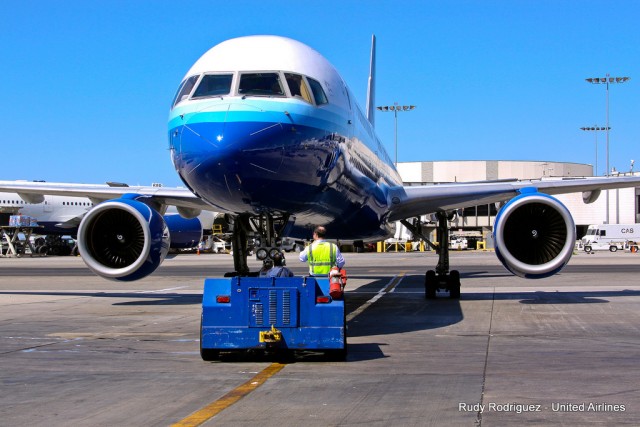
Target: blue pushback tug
272	314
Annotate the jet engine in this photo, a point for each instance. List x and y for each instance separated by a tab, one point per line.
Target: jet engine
123	239
185	232
534	235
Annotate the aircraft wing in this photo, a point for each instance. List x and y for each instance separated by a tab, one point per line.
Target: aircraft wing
411	201
31	191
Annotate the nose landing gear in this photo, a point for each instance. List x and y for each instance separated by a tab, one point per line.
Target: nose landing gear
267	230
441	277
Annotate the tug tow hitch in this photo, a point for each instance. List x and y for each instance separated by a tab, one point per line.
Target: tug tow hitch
272	336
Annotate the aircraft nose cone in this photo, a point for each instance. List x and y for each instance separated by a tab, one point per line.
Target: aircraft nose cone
218	131
201	131
235	144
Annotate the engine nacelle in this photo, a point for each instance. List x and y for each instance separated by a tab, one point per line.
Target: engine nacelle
534	235
185	233
123	239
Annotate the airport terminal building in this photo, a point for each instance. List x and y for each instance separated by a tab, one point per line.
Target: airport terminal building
624	203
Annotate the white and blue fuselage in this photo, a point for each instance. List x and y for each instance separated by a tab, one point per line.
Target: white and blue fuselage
266	125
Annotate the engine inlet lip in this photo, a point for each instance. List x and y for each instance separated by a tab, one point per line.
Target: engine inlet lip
91	261
540	269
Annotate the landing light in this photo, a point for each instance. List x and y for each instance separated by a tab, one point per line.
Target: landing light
262	254
273	252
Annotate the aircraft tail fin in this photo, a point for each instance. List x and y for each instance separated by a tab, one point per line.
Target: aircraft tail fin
371	89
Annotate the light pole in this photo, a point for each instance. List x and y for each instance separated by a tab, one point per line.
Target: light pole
607	80
395	108
595	129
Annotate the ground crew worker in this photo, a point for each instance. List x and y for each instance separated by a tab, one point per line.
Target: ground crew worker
267	265
278	269
321	255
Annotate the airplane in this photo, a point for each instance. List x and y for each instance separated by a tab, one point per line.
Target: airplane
61	216
265	130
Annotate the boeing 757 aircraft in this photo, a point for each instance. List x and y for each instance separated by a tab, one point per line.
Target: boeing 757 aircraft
264	129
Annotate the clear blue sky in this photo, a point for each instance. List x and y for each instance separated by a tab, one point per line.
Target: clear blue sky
86	85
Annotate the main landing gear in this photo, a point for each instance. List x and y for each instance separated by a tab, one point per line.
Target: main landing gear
441	278
266	230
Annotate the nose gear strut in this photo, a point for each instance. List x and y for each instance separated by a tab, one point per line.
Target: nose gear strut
269	229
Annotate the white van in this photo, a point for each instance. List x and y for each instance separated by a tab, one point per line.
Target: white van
458	243
610	236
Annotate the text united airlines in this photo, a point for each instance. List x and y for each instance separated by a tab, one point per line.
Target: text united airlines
587	407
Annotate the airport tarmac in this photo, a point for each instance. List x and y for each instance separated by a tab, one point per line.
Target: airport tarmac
76	349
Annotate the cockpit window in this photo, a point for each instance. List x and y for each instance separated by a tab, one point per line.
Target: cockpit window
318	92
298	87
213	85
260	84
184	90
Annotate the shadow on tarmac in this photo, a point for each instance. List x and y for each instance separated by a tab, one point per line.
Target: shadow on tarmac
439	311
139	298
553	297
356	353
403	309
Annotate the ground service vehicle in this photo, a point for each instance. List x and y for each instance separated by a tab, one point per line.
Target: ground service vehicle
278	314
610	236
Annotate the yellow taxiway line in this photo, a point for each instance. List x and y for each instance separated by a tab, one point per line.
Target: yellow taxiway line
214	408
